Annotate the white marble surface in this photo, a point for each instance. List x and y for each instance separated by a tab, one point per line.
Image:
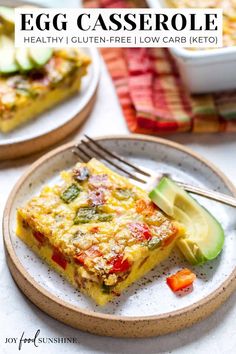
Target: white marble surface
217	334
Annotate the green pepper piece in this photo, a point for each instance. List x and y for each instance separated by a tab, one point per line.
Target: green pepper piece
104	217
122	194
154	243
85	215
106	289
70	193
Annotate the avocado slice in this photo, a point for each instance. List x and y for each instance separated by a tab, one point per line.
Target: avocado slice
23	59
40	56
7	19
8	63
204	238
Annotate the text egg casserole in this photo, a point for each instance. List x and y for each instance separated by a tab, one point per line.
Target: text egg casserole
97	229
24	95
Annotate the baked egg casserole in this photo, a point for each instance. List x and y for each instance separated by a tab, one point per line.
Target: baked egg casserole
25	95
229	14
97	229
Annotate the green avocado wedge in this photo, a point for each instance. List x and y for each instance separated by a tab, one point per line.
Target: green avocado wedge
23	60
40	56
8	62
7	19
204	237
17	59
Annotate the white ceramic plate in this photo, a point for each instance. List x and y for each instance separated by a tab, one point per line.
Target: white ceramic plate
58	122
150	296
204	71
56	119
62	113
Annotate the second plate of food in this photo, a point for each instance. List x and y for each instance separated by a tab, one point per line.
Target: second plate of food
148	307
45	93
55	124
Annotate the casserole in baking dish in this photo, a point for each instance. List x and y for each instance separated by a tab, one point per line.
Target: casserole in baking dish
207	70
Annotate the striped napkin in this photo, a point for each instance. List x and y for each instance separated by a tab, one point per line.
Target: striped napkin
152	95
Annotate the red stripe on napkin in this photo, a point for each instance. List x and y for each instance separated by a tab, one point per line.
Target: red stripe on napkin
151	92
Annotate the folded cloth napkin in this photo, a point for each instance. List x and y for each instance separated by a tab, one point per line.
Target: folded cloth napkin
152	95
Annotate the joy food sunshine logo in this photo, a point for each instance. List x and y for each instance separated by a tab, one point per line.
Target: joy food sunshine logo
36	340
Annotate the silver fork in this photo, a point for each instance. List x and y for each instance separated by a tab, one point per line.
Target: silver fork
144	177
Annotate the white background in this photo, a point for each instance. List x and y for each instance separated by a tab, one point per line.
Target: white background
215	335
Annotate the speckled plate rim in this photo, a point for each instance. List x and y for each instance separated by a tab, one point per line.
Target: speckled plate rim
105	324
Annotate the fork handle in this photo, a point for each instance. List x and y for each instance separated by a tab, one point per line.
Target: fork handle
219	197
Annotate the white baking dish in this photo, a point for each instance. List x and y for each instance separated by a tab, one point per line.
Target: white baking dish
205	70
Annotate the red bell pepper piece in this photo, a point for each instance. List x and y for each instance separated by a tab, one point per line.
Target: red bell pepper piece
94	229
58	258
92	252
119	264
39	237
181	279
145	207
141	205
171	237
140	231
80	258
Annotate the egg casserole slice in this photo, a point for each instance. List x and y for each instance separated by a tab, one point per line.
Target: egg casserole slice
97	229
25	96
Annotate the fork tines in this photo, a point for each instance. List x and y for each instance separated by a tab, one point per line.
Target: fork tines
86	150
